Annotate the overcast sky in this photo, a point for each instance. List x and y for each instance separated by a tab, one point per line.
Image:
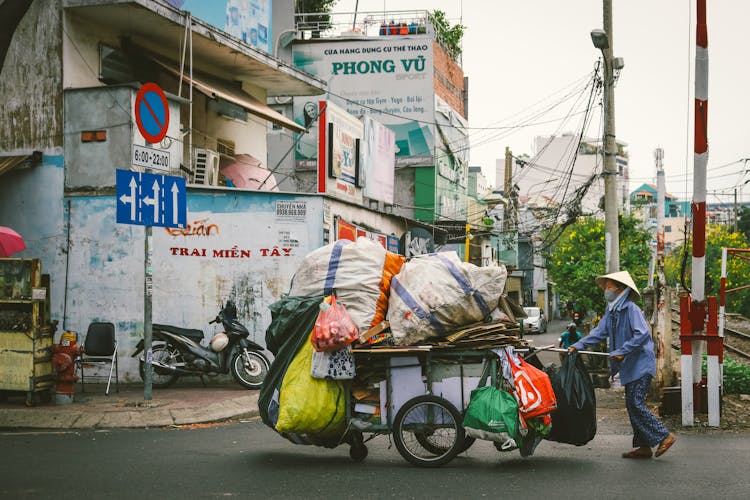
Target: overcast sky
520	52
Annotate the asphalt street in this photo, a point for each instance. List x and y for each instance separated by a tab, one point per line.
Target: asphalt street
248	460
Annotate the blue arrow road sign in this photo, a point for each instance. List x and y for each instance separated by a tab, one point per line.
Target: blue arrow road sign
150	199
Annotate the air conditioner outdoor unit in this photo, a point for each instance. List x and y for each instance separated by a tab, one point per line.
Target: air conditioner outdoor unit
205	167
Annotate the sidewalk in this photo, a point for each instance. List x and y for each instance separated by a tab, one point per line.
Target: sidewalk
183	404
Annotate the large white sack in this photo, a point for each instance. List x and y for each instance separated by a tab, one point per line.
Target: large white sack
434	294
353	269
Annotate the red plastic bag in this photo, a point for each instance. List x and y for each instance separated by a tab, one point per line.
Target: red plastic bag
533	389
334	328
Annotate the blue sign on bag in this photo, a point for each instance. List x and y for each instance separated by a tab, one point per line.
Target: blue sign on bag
151	199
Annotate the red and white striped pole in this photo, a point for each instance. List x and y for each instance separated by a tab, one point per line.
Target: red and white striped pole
692	350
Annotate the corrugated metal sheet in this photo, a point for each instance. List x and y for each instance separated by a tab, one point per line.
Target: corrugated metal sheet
8	163
213	87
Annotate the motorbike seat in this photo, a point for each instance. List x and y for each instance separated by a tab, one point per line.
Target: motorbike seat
191	333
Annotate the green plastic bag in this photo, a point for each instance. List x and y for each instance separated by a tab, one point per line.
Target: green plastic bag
492	415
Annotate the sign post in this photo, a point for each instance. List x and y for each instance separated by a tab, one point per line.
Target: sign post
150	200
152	119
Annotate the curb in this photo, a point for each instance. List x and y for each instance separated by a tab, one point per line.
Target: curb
135	416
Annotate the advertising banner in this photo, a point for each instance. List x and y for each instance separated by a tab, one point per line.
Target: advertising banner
390	79
339	138
378	161
348	231
248	20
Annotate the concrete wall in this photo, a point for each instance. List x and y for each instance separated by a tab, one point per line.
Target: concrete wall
280	143
30	83
283	20
236	247
81	51
31	203
91	166
448	78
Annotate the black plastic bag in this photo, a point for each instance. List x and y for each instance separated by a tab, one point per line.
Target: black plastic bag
574	421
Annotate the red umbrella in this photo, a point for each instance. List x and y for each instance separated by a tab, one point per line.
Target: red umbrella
10	242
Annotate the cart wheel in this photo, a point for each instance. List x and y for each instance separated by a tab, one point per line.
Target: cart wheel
468	441
425	441
427	431
358	452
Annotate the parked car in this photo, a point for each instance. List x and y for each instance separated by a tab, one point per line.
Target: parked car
536	321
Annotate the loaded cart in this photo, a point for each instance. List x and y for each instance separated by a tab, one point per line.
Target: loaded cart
435	331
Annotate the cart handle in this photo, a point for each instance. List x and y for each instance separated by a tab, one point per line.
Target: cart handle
558	349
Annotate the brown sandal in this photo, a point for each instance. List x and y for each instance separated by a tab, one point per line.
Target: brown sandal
638	453
666	443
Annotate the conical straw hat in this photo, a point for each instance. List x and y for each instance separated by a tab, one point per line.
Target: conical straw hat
620	277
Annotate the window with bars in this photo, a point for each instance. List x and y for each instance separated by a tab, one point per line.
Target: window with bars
225	148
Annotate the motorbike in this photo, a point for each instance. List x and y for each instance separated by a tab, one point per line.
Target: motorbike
577	319
177	352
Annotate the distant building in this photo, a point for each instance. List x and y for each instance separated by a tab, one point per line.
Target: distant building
560	166
478	186
643	198
395	68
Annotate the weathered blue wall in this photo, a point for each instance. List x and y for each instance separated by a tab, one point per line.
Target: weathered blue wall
238	246
31	203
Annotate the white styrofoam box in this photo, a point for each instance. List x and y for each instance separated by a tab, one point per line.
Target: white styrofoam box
451	389
406	383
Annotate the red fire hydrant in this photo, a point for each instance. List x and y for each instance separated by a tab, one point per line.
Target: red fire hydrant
64	357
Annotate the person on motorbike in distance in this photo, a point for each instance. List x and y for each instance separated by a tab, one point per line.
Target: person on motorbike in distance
570	336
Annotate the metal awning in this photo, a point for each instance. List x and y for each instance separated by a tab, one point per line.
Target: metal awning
160	27
214	87
8	163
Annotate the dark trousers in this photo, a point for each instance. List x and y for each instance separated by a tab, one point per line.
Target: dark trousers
647	429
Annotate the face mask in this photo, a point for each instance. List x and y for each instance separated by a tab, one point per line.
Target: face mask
610	295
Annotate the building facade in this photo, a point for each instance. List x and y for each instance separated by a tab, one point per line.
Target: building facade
396	72
69	81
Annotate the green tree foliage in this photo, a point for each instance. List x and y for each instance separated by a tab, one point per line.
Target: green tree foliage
449	36
736	376
313	6
738	270
322	7
743	222
577	257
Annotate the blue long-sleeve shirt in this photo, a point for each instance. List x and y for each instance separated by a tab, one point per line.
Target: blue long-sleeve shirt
629	335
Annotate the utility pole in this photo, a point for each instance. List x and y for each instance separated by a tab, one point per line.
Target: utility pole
603	41
508	189
662	334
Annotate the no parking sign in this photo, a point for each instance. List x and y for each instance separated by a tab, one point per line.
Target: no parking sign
151	112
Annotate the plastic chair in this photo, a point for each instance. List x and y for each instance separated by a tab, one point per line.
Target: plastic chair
100	348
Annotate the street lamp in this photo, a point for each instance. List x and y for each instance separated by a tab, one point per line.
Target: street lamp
612	238
599	37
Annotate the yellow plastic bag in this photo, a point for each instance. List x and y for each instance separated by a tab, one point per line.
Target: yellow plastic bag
308	405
